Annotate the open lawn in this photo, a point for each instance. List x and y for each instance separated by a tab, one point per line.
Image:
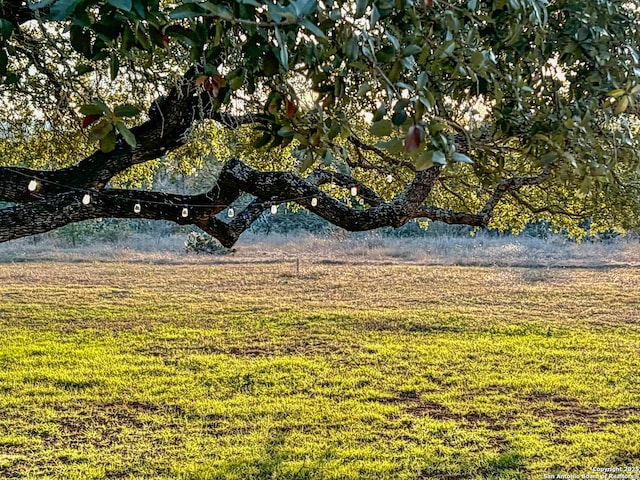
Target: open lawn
250	370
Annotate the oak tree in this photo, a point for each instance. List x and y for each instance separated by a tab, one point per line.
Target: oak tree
368	113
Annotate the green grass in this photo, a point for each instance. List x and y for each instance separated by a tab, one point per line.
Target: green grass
249	371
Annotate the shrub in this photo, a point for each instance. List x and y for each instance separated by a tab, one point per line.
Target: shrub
198	242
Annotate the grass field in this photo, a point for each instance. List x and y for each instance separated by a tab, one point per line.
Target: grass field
251	370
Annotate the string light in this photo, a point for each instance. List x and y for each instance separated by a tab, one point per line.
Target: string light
34	184
389	178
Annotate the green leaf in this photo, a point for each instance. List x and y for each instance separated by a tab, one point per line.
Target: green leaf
126	134
183	35
237	81
334	131
381	128
121	4
143	40
375	16
424	160
307	162
114	66
328	158
399	118
4	61
286	132
103	106
364	88
351	48
100	130
438	157
282	44
411	50
83	68
622	105
313	28
548	158
80	40
62	9
448	49
361	7
395	146
186	10
305	7
6	27
126	111
108	142
91	109
422	80
460	157
39	5
263	140
140	8
219	11
270	64
379	113
10	78
477	59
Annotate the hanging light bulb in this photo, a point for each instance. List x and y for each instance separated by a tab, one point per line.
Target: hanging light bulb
86	200
274	209
354	191
231	212
137	208
185	212
314	202
33	185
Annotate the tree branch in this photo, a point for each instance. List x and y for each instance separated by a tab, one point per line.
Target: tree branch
360	145
236	177
268	187
509	185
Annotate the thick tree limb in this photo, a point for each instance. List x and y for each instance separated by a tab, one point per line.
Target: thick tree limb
236	177
268	187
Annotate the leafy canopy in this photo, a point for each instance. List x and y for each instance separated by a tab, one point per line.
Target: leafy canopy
377	89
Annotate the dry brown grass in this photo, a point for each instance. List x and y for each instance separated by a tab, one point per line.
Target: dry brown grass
482	250
602	295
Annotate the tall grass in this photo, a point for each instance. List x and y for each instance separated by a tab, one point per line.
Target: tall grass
480	250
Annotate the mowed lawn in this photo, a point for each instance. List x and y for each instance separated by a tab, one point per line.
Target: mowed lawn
249	370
